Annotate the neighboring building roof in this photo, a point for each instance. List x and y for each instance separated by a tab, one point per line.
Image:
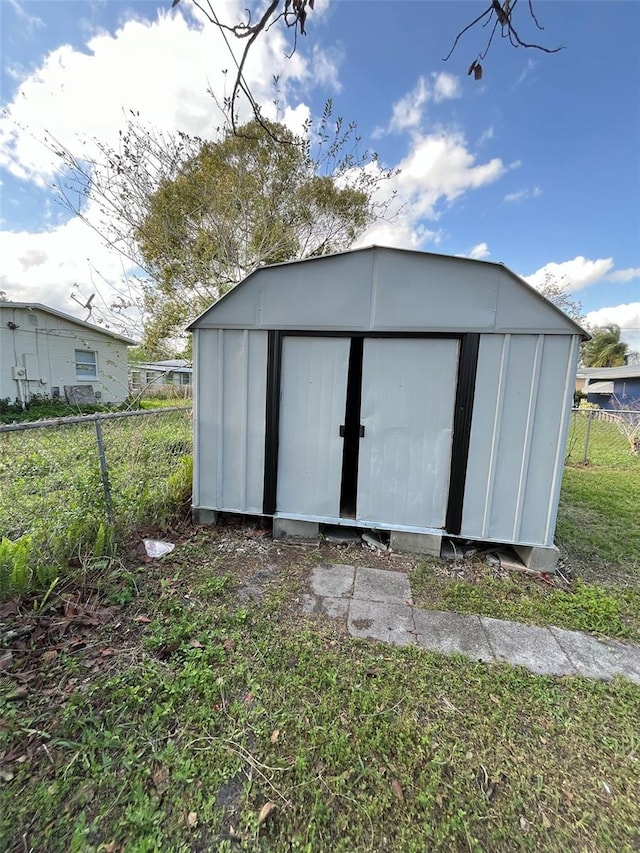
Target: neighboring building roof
249	313
177	365
627	371
599	388
37	306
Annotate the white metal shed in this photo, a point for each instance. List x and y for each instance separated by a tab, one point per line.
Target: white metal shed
386	389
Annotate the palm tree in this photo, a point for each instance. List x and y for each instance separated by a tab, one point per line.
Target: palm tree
605	349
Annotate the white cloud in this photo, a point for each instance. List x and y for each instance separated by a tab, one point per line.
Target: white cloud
578	273
48	266
626	316
624	275
479	251
522	195
163	68
402	233
441	167
28	21
582	272
445	86
486	136
407	113
88	93
437	169
526	71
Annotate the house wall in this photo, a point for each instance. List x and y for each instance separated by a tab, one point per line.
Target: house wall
45	345
229	415
626	392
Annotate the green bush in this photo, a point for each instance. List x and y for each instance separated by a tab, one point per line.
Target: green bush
15	570
43	408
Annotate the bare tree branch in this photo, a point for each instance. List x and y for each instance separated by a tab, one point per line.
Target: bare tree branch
501	15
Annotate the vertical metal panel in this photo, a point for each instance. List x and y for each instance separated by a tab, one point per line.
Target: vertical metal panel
517	437
219	370
408	395
546	437
414	291
532	420
233	418
272	421
312	408
463	413
206	381
195	492
230	399
256	373
242	419
485	434
511	449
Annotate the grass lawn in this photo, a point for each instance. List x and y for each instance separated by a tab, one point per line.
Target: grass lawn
208	714
187	704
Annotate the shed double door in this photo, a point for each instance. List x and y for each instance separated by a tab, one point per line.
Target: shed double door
403	390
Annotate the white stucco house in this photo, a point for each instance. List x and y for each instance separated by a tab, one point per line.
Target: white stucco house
43	351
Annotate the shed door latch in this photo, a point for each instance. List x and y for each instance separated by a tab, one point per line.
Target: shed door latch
360	430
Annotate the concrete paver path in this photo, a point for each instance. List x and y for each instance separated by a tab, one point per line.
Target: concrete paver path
377	605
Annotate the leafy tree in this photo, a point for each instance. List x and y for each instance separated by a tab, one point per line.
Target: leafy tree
556	291
235	205
196	217
605	349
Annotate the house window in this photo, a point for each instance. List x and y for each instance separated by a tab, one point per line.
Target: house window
86	364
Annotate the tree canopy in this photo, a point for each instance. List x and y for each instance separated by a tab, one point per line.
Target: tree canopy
195	217
233	206
605	349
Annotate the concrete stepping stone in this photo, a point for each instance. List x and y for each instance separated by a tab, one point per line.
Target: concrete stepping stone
527	645
599	658
333	581
381	620
452	632
382	585
334	608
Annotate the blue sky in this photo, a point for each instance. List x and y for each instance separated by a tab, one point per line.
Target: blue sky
537	165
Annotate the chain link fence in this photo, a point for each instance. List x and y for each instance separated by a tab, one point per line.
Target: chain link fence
73	487
601	437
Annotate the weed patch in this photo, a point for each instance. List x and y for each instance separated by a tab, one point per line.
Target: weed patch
604	611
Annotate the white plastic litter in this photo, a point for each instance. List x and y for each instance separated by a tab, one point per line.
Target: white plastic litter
156	548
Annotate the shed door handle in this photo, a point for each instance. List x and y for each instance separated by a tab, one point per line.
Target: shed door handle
360	430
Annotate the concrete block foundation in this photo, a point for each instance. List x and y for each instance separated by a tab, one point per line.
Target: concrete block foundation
289	528
204	517
428	544
536	558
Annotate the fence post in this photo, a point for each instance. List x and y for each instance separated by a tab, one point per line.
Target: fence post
104	471
586	437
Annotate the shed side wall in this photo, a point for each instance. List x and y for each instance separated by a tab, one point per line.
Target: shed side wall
523	387
230	419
